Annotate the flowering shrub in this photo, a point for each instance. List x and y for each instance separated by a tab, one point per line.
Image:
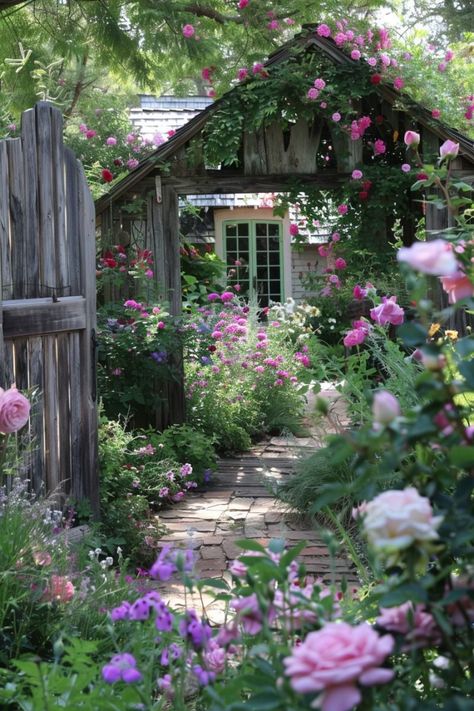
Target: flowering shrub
137	349
242	377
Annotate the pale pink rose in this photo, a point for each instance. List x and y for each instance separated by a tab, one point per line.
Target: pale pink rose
60	589
412	621
396	519
458	287
334	659
411	138
249	613
388	312
433	257
385	407
188	31
449	149
355	337
215	657
14	410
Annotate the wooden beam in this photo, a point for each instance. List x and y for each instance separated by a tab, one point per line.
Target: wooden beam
37	317
220	182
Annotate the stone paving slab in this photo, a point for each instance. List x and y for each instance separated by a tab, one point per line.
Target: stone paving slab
240	504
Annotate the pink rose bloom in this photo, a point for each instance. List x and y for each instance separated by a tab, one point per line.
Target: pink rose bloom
111	141
249	613
388	312
458	287
449	55
434	257
257	68
242	74
227	296
396	519
60	589
412	621
132	163
411	138
14	410
355	337
379	147
322	251
357	174
188	31
335	236
90	133
449	149
372	62
242	4
340	263
398	83
355	54
336	658
436	113
406	167
340	38
385	407
336	117
324	31
319	84
312	94
294	229
215	657
342	209
334	279
359	293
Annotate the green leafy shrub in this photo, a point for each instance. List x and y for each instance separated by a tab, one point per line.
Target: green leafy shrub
182	443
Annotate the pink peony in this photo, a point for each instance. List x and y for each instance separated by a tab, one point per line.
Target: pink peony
385	407
334	659
323	30
433	257
388	312
60	589
411	138
458	286
14	410
449	149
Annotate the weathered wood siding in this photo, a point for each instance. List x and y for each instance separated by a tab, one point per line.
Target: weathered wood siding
48	302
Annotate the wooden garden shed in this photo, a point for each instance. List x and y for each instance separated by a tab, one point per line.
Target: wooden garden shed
271	158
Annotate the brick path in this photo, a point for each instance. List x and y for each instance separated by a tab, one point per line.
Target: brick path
240	505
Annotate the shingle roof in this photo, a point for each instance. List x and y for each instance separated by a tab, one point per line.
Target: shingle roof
303	41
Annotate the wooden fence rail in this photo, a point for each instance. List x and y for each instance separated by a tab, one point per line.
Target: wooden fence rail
48	300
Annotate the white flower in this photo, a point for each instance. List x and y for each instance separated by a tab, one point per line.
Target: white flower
91	555
394	520
109	561
98	551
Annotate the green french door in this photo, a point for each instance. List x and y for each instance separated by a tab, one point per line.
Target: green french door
253	254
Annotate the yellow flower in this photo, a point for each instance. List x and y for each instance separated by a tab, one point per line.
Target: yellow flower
451	334
434	328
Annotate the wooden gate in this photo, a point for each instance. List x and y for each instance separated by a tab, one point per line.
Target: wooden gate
48	301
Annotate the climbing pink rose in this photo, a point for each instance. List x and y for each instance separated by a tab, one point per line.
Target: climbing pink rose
188	31
379	147
385	407
412	138
458	286
60	589
324	31
355	337
249	612
449	149
14	410
388	312
396	519
334	659
340	263
242	74
412	621
294	229
433	257
312	94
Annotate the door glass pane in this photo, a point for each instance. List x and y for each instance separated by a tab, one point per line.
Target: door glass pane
231	230
243	229
261	229
238	256
273	230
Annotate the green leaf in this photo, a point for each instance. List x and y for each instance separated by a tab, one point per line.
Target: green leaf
412	334
462	456
465	346
467	371
213	583
250	545
412	592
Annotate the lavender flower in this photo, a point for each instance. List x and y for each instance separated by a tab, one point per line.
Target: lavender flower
122	667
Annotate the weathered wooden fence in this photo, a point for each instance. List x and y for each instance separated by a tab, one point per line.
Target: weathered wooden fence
48	300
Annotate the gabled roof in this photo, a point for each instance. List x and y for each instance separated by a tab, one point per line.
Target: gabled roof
303	42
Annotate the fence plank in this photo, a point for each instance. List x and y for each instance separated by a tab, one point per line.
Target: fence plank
45	205
34	317
16	196
5	241
50	395
35	381
32	286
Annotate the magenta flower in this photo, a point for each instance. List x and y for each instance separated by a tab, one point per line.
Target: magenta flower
411	138
379	147
111	141
312	94
294	229
90	133
242	74
355	337
406	167
336	117
188	31
355	54
359	293
212	297
122	667
249	613
342	209
357	174
319	84
388	312
132	163
323	30
14	410
398	83
227	296
340	263
242	4
257	68
336	658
